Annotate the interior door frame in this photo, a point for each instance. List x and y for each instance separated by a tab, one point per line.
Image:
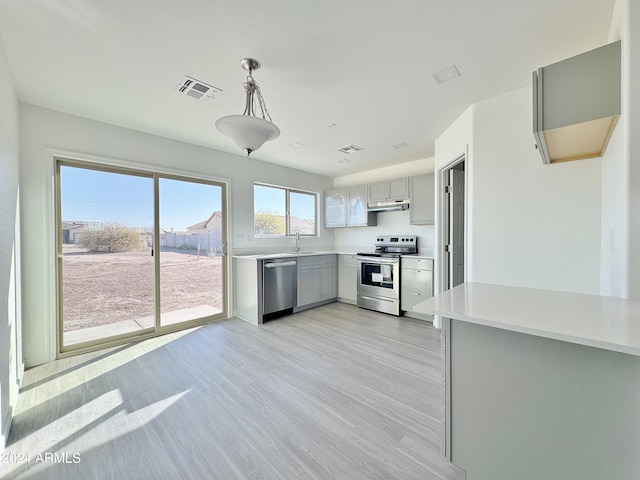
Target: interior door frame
442	281
154	172
442	221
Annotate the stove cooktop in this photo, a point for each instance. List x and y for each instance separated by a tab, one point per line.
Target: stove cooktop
393	246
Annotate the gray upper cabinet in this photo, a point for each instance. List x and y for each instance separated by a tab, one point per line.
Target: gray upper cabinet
377	192
357	214
389	190
335	208
576	104
399	189
422	200
347	207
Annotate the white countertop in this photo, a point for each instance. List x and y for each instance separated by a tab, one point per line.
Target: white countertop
609	323
271	256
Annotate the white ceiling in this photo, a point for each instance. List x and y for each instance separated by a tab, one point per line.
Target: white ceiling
365	65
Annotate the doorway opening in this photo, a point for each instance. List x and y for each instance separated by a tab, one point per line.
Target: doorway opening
452	224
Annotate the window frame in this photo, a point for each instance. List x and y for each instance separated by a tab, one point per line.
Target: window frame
287	220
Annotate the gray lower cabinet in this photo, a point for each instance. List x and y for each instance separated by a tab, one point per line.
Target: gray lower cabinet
347	278
416	283
317	279
422	200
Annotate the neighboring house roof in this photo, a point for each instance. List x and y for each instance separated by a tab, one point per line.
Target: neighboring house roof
300	225
72	225
206	223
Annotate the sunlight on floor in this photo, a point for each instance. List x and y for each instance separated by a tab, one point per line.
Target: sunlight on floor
106	413
73	377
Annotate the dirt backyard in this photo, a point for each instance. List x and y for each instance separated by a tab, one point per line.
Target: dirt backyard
104	288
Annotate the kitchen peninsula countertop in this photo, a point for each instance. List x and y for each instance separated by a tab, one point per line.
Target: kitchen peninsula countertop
553	373
609	323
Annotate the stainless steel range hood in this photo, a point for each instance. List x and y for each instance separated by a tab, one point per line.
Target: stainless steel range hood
390	206
576	105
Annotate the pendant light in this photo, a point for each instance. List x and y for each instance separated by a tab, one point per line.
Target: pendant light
248	130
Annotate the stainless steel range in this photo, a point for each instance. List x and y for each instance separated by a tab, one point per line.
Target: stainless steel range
379	273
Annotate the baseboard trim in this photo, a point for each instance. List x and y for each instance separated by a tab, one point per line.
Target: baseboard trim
350	301
419	316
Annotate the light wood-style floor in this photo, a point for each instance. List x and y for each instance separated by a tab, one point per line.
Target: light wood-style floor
336	392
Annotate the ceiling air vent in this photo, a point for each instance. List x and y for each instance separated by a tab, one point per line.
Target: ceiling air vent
349	149
197	89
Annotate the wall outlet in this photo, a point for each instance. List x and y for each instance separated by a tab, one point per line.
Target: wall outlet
613	240
243	237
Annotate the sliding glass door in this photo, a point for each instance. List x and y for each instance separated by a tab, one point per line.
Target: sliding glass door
192	282
138	253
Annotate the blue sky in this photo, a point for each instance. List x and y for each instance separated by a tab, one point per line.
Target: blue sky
98	196
273	200
92	195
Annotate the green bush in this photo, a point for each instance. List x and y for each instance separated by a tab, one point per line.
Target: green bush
112	238
268	223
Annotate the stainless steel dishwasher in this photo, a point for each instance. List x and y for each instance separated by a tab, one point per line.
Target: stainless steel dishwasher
279	286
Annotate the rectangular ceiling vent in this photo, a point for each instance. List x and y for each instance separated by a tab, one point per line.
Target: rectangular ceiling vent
197	89
349	149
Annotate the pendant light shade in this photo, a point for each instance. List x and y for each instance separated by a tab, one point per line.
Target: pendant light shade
248	130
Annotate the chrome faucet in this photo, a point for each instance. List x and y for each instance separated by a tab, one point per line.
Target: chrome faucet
297	242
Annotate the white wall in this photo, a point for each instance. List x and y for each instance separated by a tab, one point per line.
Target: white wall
614	237
455	142
528	224
416	167
360	239
10	311
46	132
621	168
631	102
615	195
535	225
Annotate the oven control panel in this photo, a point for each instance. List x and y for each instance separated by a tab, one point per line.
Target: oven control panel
396	240
396	244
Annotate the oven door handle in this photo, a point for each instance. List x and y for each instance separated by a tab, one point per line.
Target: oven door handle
378	260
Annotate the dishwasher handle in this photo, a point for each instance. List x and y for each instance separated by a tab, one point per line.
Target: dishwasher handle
280	264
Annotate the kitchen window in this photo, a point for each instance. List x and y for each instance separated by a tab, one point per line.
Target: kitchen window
281	211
